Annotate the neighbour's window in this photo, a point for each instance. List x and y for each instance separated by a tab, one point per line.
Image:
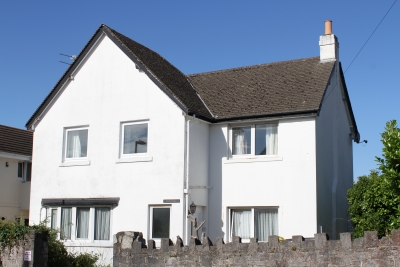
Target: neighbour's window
256	139
134	138
76	143
254	222
24	171
102	224
160	222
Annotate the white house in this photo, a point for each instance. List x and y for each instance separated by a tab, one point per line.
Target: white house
126	141
15	173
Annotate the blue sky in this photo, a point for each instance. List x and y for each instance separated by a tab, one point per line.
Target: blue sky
198	36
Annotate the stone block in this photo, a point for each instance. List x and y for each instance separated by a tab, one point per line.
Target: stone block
358	242
137	247
127	241
164	245
396	237
273	241
151	245
371	239
345	239
384	241
206	241
320	240
297	240
253	240
220	242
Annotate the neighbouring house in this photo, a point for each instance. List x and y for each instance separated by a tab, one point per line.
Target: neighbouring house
126	141
15	173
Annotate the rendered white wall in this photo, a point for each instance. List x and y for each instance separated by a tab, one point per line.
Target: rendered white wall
14	195
106	91
286	181
334	160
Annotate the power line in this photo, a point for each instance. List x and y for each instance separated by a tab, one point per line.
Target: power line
361	48
370	35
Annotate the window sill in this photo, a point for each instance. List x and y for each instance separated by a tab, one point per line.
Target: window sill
135	159
251	159
75	163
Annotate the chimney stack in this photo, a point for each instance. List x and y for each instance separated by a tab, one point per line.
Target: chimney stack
329	44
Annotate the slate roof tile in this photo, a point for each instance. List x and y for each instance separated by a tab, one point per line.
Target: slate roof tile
15	141
267	89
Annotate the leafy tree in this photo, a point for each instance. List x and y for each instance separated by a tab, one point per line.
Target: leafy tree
375	199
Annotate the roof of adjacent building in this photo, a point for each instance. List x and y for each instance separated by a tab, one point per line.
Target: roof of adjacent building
15	141
266	90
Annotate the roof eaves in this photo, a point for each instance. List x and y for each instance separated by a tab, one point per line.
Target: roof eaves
346	92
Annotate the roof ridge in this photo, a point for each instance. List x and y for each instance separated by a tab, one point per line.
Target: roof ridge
250	66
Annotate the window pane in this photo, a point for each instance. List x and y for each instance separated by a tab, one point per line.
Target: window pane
82	222
160	222
241	143
241	223
77	143
54	218
20	169
265	223
135	138
28	171
102	224
266	139
66	222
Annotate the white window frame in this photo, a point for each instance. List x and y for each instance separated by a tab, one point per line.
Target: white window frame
66	131
151	207
252	226
122	138
24	177
74	238
253	139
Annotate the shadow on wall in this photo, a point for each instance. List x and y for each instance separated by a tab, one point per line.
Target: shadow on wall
217	150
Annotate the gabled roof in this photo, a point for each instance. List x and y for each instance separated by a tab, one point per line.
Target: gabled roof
276	88
16	141
267	90
171	80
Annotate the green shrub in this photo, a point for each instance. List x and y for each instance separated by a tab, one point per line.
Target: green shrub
12	233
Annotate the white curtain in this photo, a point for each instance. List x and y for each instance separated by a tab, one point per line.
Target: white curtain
82	222
102	224
241	140
66	222
266	223
271	140
241	223
77	144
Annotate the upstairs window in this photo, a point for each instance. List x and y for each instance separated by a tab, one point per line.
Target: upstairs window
134	138
76	143
255	139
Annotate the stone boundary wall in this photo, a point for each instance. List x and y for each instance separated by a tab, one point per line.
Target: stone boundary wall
34	242
130	250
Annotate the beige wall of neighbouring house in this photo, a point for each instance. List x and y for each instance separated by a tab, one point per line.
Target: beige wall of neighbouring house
14	193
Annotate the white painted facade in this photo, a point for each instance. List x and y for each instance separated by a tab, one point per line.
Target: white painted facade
106	91
14	191
187	160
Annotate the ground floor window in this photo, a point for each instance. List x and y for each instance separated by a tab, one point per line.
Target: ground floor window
160	222
82	223
254	222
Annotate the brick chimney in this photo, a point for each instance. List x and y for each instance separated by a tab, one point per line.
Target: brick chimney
328	44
